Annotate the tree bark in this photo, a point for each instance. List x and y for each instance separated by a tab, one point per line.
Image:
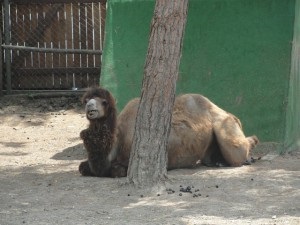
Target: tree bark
148	159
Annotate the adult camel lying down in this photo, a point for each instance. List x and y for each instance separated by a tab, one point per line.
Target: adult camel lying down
200	132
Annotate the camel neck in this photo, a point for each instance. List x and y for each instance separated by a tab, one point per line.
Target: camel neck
98	125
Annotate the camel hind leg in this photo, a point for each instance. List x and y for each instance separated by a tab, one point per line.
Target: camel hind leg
234	146
213	156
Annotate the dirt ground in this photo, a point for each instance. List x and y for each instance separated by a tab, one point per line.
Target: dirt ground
40	151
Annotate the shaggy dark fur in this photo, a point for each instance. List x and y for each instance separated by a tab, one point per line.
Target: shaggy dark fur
99	137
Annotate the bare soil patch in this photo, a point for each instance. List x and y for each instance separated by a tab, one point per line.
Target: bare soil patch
40	151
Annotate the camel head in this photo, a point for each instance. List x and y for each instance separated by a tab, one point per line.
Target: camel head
98	103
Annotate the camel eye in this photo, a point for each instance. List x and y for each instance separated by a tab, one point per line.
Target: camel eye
104	103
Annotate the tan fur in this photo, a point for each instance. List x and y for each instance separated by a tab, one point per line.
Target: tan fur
199	131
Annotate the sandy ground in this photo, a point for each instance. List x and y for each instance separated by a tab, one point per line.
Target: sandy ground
39	156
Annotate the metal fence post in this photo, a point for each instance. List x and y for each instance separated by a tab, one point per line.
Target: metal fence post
7	42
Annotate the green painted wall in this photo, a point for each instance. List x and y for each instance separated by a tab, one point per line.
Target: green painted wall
292	131
125	47
235	52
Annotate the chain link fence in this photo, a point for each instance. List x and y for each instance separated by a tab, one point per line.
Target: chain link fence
52	45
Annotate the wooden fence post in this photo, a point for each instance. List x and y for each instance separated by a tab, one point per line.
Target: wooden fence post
7	42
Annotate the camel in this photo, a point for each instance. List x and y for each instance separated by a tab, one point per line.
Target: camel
99	137
201	132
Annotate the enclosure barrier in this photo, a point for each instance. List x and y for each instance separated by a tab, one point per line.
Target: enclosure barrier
292	132
51	45
235	52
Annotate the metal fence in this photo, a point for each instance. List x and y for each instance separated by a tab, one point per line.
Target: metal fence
51	45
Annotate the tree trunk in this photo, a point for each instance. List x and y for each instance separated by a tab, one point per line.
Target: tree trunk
148	159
